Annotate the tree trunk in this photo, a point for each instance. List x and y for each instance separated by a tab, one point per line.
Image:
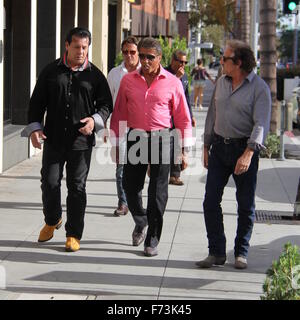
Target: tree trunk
245	20
268	55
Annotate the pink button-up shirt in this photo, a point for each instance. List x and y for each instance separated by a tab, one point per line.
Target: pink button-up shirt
152	108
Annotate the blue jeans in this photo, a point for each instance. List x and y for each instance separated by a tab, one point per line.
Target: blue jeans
221	164
120	189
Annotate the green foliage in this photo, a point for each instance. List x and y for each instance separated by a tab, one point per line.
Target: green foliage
272	145
283	278
214	34
119	59
168	49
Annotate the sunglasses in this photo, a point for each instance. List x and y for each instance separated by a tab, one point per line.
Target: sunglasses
126	52
181	61
227	58
149	57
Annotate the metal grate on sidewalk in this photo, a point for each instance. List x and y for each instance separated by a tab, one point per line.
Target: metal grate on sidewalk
276	217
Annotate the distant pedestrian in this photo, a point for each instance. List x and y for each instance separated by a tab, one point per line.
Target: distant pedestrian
199	75
148	98
178	62
130	63
75	96
236	125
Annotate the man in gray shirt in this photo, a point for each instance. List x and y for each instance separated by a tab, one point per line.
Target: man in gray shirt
236	125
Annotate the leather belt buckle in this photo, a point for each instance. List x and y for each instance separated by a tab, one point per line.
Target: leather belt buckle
227	140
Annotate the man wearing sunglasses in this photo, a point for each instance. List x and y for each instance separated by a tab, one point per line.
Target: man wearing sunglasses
237	123
178	62
130	63
148	98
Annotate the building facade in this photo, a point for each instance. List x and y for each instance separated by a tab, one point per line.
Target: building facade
153	18
32	34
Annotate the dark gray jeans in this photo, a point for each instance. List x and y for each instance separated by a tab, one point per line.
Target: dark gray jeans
77	168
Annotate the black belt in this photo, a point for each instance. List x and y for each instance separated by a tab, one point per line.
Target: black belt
230	140
152	133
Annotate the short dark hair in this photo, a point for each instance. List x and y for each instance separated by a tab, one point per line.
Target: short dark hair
177	53
129	40
80	33
150	43
199	61
243	52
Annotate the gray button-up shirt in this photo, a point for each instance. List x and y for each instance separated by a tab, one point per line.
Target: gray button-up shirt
243	112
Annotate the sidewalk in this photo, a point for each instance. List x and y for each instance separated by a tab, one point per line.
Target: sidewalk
107	267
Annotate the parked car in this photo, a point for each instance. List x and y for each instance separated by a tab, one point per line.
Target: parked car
214	65
295	100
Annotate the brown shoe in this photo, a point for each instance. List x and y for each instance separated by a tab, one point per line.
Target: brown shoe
240	262
122	210
150	252
47	231
210	261
176	181
72	244
138	237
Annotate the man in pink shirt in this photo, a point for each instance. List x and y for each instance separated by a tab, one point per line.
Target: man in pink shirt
146	101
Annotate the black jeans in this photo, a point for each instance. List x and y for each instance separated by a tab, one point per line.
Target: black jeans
221	164
133	183
175	166
77	168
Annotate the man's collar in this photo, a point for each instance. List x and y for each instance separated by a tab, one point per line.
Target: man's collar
249	77
125	69
169	68
63	61
162	72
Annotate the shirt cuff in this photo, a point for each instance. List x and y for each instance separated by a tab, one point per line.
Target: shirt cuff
255	146
33	126
99	123
208	139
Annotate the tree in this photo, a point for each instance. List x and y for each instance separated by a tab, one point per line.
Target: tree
245	20
213	12
214	34
268	55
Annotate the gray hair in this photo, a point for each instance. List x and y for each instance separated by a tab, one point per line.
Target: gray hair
177	53
150	43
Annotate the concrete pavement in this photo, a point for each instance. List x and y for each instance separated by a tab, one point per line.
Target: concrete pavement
107	267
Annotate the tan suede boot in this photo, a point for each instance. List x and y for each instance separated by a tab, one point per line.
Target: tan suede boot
47	231
72	244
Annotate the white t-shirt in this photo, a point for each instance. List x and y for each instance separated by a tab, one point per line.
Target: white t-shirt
114	78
